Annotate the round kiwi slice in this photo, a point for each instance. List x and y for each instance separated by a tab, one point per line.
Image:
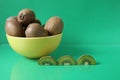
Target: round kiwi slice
66	60
47	60
86	60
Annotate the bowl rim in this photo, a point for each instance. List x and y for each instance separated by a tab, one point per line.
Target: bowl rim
34	37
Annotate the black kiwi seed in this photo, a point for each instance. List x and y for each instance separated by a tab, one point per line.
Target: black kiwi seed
66	60
47	60
86	60
26	16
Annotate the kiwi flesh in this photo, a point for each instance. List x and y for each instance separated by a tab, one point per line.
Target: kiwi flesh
86	60
26	16
47	60
66	60
35	30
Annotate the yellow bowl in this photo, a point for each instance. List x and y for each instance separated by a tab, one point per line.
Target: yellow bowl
34	47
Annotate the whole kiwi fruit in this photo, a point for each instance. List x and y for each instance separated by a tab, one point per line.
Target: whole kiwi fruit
54	25
26	16
35	30
14	28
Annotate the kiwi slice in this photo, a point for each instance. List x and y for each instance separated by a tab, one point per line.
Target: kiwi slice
86	60
47	60
66	60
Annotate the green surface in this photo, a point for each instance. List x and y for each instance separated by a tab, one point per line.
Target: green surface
16	67
90	26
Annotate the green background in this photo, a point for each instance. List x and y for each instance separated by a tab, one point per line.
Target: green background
90	27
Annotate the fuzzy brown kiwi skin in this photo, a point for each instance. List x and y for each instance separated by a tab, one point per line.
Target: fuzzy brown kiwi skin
35	30
54	25
37	21
14	28
26	16
11	18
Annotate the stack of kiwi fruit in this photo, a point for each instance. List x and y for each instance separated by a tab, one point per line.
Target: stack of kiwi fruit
25	24
67	60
